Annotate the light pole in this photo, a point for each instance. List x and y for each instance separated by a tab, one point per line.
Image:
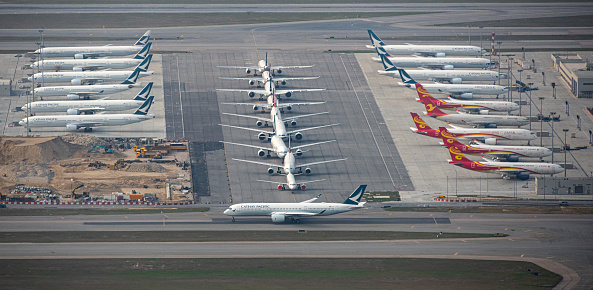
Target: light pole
567	108
579	122
470	34
541	121
510	76
499	42
552	120
481	41
565	130
554	90
530	84
520	90
591	137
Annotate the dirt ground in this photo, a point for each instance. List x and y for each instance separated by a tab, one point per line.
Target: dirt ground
62	164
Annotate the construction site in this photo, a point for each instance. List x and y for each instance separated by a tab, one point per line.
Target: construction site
84	168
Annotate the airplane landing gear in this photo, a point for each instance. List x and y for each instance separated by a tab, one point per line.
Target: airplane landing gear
233	219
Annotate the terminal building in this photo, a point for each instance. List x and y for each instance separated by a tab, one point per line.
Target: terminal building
576	73
564	186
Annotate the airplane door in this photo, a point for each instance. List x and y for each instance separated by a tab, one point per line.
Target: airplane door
473	165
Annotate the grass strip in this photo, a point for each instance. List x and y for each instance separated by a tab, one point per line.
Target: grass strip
275	273
561	21
90	211
222	236
552	209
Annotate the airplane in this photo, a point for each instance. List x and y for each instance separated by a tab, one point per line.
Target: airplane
84	91
482	107
83	52
461	91
488	121
455	76
443	63
489	135
424	49
509	153
521	170
269	89
73	123
267	77
291	183
263	66
78	78
281	212
278	147
273	101
94	64
89	106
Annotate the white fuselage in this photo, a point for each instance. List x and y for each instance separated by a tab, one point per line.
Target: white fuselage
447	50
279	147
96	120
484	133
448	75
64	106
498	120
85	89
457	89
523	151
531	167
267	209
107	76
483	105
95	51
87	64
442	62
279	127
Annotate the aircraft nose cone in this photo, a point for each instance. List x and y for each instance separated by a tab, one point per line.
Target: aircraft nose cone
227	211
292	186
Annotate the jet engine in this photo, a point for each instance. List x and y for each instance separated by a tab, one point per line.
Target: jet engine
288	94
523	175
262	136
490	141
270	170
247	71
288	108
77	68
483	112
73	97
261	153
456	80
283	83
280	187
513	158
298	136
299	152
448	67
490	125
278	218
251	82
308	170
466	96
259	123
80	56
293	123
279	71
303	186
73	112
76	82
440	54
255	108
251	94
71	127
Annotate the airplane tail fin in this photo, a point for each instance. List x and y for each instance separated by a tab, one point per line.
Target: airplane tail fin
143	53
143	94
132	78
381	51
420	124
144	39
457	157
387	64
431	108
143	110
375	40
355	197
143	66
449	140
426	97
406	78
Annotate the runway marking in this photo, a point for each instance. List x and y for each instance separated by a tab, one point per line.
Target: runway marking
459	228
455	253
412	227
522	255
471	215
435	221
464	241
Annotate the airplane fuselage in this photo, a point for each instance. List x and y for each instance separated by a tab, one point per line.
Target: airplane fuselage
437	50
64	106
448	75
267	209
84	89
83	64
456	89
483	120
441	62
108	76
523	151
95	51
97	120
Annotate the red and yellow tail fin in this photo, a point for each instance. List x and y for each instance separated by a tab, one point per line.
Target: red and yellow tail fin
426	97
449	139
420	124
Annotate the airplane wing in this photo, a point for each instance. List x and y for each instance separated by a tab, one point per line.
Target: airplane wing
432	66
291	66
283	92
294	79
242	67
88	124
247	145
310	128
249	129
284	105
91	110
90	67
252	117
307	145
259	92
257	79
313	199
321	162
259	162
426	53
303	116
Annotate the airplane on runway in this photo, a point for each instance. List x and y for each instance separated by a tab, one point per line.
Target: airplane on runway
75	122
269	89
489	135
83	52
506	152
482	107
424	49
78	78
267	77
89	106
85	91
278	147
94	64
488	121
455	76
461	91
521	170
263	66
443	63
281	212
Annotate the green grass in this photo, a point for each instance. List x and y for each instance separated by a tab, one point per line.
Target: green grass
219	236
500	209
65	212
278	273
381	196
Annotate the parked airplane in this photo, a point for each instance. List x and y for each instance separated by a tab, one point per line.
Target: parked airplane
84	91
94	64
75	122
263	66
508	153
83	52
89	106
490	136
291	183
272	101
269	89
278	147
424	49
445	63
78	78
488	121
482	107
461	91
520	169
455	76
280	212
266	77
